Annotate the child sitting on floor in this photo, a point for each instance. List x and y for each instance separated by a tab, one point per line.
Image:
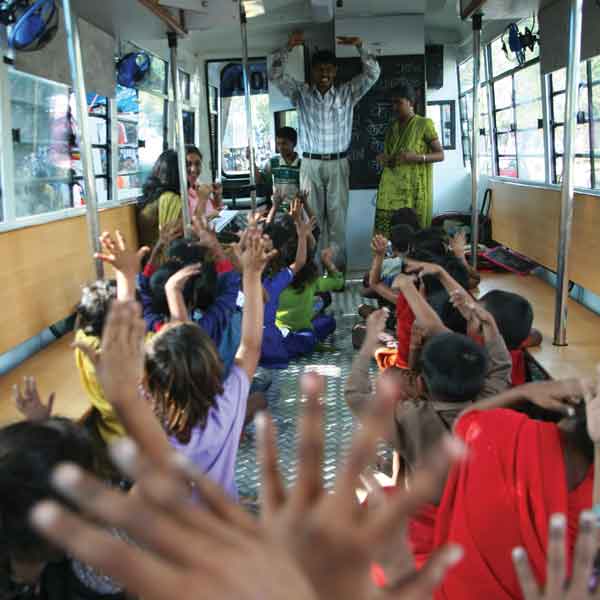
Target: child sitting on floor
302	326
289	238
514	317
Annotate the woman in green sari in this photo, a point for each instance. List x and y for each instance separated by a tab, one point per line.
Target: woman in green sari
411	146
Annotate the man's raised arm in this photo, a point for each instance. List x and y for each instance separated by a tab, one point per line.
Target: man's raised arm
288	86
371	70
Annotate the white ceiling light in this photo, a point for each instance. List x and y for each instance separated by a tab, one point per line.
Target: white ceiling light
253	8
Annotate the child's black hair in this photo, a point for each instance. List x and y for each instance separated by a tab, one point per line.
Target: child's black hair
431	240
199	291
323	57
402	237
284	237
454	367
513	315
94	305
287	133
405	216
307	274
29	451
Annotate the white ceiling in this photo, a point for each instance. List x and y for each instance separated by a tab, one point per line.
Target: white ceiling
218	30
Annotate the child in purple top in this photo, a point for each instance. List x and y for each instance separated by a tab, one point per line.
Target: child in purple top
202	414
290	238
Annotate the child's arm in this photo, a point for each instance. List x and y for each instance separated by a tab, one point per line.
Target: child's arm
174	291
125	262
498	376
427	318
558	396
379	245
303	230
254	259
358	391
335	279
119	368
458	244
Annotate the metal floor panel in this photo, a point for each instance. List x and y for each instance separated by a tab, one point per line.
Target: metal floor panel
339	423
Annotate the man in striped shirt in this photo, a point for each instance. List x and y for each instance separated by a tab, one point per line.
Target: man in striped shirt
325	114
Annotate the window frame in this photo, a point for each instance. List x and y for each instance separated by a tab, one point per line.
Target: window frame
115	197
218	154
513	107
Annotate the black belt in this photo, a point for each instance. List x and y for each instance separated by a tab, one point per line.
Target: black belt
334	156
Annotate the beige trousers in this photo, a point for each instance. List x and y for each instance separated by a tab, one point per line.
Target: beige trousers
327	183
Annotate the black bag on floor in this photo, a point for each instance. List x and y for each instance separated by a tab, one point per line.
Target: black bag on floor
464	218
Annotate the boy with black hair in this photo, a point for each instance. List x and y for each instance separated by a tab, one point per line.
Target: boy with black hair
514	316
282	171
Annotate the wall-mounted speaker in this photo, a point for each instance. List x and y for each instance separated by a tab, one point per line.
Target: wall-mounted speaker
434	63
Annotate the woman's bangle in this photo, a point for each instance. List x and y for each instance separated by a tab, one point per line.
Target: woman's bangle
424	158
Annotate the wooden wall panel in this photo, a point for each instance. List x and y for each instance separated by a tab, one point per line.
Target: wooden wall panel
526	219
43	268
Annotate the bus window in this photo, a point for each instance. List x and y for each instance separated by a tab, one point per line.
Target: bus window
141	130
234	140
42	136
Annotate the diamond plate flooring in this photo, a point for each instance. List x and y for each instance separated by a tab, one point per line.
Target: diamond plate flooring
339	423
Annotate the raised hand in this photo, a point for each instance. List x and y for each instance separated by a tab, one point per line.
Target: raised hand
254	256
205	235
116	253
178	280
296	39
348	40
171	231
578	588
28	402
308	545
376	326
379	245
332	540
327	256
458	243
559	396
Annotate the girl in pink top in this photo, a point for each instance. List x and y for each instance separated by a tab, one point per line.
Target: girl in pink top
204	200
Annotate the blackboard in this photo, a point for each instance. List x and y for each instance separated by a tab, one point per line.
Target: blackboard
373	114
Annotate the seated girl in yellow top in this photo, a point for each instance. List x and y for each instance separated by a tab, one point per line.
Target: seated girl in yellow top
91	314
161	201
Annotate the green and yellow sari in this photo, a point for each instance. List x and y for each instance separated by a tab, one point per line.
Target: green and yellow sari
410	184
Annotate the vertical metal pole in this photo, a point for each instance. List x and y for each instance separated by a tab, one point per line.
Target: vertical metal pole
81	114
566	211
179	137
249	127
7	163
113	120
475	141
